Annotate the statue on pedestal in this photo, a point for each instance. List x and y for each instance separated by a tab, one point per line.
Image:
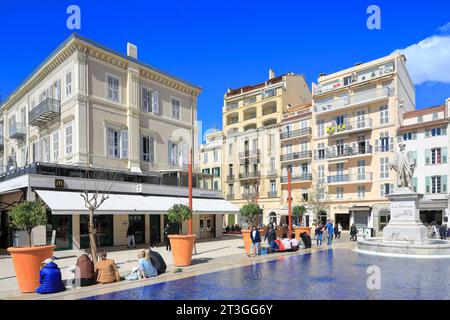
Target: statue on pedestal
404	166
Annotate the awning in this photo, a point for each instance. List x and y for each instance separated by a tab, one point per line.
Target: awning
66	203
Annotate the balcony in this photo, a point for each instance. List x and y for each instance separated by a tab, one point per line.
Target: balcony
230	177
250	153
295	133
48	111
272	194
272	173
296	156
17	131
353	126
353	100
249	175
297	178
343	152
350	178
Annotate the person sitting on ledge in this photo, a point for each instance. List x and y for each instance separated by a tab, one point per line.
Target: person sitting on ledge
85	273
156	260
286	242
107	271
295	245
145	266
50	278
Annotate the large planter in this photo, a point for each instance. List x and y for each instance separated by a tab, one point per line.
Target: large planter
247	240
182	246
299	230
27	263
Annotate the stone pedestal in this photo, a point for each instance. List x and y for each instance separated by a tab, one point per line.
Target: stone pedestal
405	224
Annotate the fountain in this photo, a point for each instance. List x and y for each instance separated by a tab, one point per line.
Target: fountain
404	235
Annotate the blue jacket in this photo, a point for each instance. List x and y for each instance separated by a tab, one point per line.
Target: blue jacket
50	279
329	227
257	237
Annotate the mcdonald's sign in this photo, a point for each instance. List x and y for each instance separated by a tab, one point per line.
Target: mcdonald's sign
59	183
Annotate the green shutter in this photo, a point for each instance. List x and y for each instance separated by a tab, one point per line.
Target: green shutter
444	155
427	133
444	130
427	156
427	184
444	184
414	182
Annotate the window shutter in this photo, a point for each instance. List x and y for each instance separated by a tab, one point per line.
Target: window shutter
427	184
414	135
427	156
141	144
444	130
169	153
124	144
391	188
444	184
184	154
427	133
444	155
144	99
391	144
382	190
376	145
109	142
155	102
151	149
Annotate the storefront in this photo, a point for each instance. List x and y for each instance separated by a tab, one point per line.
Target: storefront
104	230
343	219
61	228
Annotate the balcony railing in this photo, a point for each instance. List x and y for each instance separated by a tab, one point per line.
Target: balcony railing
250	153
272	194
17	131
297	178
295	133
348	178
296	155
249	175
272	173
348	151
360	97
248	195
47	111
230	177
350	126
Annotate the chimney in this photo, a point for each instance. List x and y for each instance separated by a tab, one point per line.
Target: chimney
132	50
271	74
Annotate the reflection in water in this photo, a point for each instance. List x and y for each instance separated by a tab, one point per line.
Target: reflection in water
328	274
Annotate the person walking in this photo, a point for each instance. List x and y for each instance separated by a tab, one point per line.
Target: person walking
256	239
319	234
339	229
443	232
329	228
167	232
131	231
353	232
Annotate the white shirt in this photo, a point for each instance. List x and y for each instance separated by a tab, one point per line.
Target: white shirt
254	234
286	243
294	242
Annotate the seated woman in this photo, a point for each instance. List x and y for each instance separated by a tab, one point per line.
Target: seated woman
107	271
286	242
295	245
280	245
145	266
86	274
50	278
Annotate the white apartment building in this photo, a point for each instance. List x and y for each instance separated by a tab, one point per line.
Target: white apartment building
426	134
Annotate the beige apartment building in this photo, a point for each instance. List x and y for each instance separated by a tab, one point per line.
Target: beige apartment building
251	150
356	114
87	107
296	156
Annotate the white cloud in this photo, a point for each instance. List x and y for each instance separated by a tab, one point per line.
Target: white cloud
429	59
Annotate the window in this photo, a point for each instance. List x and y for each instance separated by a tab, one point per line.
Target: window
361	192
150	100
409	136
436	184
117	143
320	128
321	150
435	115
68	131
386	188
384	115
113	85
385	143
436	156
384	167
55	146
176	109
435	132
273	187
230	150
68	83
216	185
148	149
205	157
269	93
420	119
340	193
321	173
45	149
173	154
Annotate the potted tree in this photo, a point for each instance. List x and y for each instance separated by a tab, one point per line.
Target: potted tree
250	213
299	212
27	259
182	245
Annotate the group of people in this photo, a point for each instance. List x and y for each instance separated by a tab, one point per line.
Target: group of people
150	264
234	228
329	231
436	231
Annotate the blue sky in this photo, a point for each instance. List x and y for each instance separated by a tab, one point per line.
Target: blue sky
228	44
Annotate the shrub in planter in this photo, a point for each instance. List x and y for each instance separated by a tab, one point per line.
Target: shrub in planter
27	260
299	212
182	245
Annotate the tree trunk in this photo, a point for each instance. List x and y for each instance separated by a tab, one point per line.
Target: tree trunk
92	242
29	236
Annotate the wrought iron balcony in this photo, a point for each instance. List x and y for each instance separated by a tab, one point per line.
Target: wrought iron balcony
230	177
272	194
250	153
349	127
17	131
296	155
272	173
295	133
297	178
350	178
47	111
342	152
249	175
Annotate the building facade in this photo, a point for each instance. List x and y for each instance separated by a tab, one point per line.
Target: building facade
356	113
426	136
87	106
251	151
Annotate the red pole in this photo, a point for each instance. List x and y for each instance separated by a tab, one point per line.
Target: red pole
190	190
289	204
